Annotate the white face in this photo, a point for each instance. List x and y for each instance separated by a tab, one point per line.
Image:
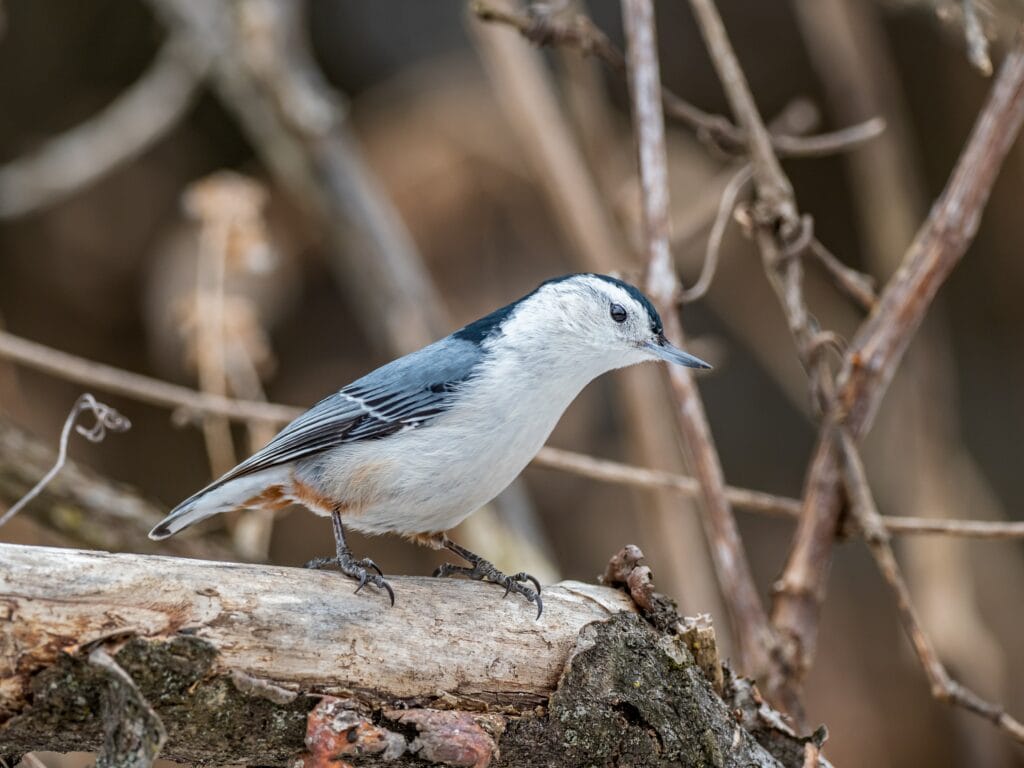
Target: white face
594	323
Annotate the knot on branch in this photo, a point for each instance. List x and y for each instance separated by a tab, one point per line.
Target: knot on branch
625	571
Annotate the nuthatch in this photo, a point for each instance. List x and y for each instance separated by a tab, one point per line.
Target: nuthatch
421	443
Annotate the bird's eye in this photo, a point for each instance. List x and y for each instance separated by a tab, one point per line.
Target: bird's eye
618	313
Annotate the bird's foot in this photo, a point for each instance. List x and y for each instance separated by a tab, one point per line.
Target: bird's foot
484	570
360	570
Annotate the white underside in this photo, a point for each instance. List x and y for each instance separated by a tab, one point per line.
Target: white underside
430	479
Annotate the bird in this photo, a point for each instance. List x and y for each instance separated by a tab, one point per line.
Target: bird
416	446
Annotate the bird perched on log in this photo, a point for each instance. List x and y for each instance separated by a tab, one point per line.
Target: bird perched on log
421	443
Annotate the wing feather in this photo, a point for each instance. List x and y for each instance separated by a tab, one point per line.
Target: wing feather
404	394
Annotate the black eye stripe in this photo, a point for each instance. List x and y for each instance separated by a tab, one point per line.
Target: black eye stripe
618	313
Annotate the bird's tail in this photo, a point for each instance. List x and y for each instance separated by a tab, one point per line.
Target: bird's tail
214	499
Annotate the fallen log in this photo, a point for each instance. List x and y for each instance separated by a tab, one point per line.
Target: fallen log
221	663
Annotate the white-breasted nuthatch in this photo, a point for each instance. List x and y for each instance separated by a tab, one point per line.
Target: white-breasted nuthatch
421	443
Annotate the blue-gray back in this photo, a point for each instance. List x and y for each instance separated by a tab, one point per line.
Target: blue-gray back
404	394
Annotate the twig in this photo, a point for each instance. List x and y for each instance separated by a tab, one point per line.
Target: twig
161	393
106	418
264	72
531	105
578	31
714	247
136	386
878	347
609	471
856	285
742	600
977	43
943	687
206	202
126	128
86	508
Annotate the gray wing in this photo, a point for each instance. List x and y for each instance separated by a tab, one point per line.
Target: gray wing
404	394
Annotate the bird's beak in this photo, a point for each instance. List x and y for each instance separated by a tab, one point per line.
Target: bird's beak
664	349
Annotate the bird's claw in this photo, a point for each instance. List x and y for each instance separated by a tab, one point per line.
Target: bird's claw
485	571
358	570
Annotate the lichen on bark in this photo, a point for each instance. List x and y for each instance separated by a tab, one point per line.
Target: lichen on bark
207	718
632	696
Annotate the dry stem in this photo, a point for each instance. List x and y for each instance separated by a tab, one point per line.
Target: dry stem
742	600
878	347
127	127
579	32
943	687
161	393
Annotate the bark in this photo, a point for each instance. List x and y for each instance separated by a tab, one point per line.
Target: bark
269	666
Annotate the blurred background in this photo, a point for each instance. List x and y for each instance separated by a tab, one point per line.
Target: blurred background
290	195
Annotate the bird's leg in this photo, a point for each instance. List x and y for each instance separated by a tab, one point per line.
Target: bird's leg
349	565
484	570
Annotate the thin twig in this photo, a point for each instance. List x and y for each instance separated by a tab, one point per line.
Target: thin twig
578	31
741	597
264	72
106	418
87	509
530	103
857	285
878	348
154	391
943	687
620	473
127	127
136	386
726	206
977	43
210	354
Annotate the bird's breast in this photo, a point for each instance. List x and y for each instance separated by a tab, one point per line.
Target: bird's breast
432	477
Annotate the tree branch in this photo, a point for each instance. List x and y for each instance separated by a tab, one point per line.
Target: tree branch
249	664
146	389
944	688
85	507
126	128
742	601
878	347
264	72
543	27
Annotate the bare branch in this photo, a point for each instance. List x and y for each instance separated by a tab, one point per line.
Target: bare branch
878	348
217	648
737	583
531	105
578	31
131	124
943	687
86	508
856	285
725	210
106	418
161	393
136	386
264	72
977	43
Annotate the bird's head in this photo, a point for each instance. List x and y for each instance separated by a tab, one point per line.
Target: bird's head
594	320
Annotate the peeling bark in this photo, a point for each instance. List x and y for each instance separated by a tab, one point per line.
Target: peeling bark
276	666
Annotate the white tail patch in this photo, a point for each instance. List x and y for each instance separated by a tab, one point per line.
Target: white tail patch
216	499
